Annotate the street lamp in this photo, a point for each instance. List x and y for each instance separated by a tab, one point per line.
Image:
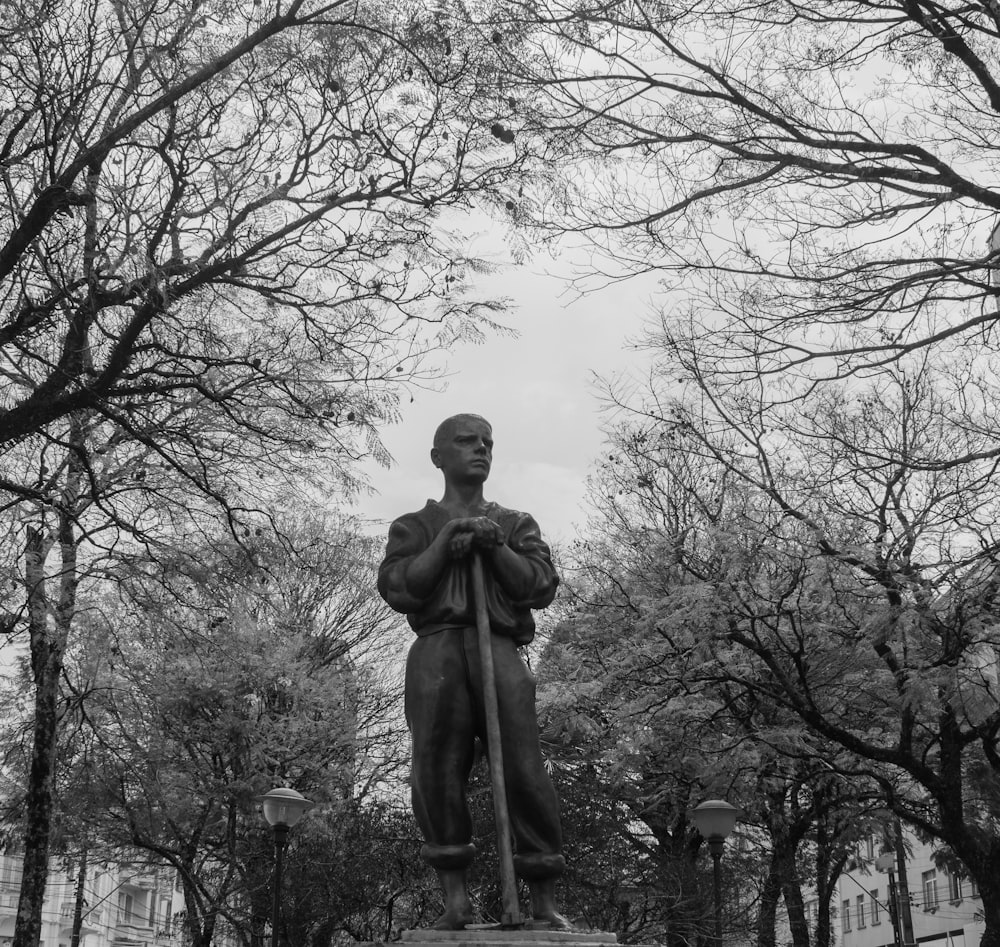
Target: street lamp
282	809
715	819
886	862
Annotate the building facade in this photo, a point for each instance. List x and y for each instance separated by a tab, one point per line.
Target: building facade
933	908
122	906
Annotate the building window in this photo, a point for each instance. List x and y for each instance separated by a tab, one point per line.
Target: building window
870	846
928	881
126	908
845	919
860	901
876	908
10	873
954	887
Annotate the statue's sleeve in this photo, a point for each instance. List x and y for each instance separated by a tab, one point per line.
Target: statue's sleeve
526	540
407	539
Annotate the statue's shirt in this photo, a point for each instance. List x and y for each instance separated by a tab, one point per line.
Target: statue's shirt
451	604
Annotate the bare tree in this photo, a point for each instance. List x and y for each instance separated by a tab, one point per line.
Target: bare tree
227	246
281	165
817	184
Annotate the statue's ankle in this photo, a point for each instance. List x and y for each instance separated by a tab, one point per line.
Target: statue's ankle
457	906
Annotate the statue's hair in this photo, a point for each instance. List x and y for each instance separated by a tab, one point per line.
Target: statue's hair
447	425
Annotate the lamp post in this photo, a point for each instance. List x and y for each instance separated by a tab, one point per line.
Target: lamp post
715	819
282	809
885	862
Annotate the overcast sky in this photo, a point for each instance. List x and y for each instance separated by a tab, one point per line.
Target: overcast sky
538	392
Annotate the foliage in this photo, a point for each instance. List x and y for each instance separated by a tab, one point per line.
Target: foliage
635	744
206	679
849	564
703	611
355	874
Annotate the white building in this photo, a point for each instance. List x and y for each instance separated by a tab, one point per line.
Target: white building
944	909
122	906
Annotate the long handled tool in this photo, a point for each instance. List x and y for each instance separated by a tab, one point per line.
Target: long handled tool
511	910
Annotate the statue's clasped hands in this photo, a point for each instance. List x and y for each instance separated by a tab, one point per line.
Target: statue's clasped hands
473	532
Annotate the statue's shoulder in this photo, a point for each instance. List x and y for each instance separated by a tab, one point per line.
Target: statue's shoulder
431	516
505	516
496	511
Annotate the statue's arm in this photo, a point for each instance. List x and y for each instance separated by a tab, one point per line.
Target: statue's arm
413	565
415	561
523	566
424	571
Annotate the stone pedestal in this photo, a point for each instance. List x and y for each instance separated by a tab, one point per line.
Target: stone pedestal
496	936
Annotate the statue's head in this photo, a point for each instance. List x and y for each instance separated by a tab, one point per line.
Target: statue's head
445	430
463	448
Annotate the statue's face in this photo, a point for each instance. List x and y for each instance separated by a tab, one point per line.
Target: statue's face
465	454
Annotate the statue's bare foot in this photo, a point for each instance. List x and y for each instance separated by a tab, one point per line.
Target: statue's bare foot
543	906
457	906
550	920
453	919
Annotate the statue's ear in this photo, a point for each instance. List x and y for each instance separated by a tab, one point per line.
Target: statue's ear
435	457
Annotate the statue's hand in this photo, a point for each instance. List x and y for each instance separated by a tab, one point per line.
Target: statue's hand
473	532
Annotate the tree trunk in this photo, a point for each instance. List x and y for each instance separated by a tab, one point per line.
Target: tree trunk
35	867
792	890
827	871
79	900
902	887
769	894
47	648
676	860
786	831
199	918
48	629
989	891
991	936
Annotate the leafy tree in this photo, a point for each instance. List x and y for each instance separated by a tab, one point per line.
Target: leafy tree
858	588
822	180
225	672
644	679
627	772
356	875
637	740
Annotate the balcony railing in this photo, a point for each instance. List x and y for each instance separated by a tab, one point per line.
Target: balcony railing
137	879
132	922
91	916
132	930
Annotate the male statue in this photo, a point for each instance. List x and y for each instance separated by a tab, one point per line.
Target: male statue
426	574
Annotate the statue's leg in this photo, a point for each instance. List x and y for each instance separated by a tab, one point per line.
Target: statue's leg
531	797
440	717
457	906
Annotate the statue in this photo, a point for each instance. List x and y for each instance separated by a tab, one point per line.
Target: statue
430	572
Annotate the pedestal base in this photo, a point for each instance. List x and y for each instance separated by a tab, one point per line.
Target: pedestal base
496	936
